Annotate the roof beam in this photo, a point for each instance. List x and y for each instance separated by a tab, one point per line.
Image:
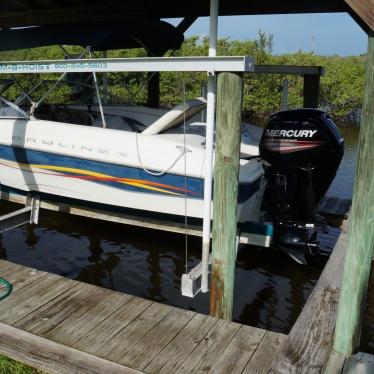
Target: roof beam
289	69
55	16
362	11
41	12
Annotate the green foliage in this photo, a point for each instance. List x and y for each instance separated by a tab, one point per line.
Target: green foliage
341	86
8	366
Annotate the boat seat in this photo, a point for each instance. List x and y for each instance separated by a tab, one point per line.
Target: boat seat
117	122
62	113
176	116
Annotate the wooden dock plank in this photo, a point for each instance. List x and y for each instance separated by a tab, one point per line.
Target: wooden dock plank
52	357
104	332
19	276
178	349
52	313
24	279
265	353
156	339
133	332
124	331
210	348
239	351
312	334
7	269
31	297
334	363
12	268
97	307
91	319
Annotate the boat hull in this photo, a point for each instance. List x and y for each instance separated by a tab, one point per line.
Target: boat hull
38	167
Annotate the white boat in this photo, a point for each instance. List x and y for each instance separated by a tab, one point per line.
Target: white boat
151	162
145	160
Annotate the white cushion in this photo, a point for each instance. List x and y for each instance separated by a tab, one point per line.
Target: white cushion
176	116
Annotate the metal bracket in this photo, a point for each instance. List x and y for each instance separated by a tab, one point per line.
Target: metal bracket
191	282
251	233
35	206
20	217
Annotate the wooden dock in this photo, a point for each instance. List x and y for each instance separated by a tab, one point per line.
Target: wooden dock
63	326
308	347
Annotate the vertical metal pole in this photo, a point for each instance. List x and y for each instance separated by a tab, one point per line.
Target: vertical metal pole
98	93
204	95
105	82
209	148
153	81
361	228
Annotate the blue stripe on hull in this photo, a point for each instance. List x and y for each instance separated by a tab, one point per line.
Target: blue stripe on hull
27	156
195	186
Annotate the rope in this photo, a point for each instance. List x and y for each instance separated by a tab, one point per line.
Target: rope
183	152
8	288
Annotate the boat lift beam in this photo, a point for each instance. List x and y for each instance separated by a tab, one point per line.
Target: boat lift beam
20	217
140	64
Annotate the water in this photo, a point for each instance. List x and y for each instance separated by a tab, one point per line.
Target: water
270	288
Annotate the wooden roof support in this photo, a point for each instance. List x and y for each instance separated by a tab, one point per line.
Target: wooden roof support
311	91
363	12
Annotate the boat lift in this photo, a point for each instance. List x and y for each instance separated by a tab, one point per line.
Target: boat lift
257	234
20	217
211	65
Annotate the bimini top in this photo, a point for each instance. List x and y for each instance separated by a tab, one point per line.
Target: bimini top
155	36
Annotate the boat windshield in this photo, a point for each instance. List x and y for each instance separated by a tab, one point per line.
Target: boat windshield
5	84
11	111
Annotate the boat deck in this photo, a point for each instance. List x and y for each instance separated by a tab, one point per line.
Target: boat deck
60	325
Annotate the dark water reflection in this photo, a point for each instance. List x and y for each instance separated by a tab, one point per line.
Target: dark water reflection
270	288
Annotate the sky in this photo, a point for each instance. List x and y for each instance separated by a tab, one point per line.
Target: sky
324	34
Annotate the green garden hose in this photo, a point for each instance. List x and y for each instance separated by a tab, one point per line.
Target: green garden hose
7	288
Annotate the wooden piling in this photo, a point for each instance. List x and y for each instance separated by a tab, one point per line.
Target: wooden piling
361	228
226	174
311	91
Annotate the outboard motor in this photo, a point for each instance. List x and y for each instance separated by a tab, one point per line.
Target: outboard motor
303	149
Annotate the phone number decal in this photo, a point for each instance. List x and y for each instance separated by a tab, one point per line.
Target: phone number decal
41	67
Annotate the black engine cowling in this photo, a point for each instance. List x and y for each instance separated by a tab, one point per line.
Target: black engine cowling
303	149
